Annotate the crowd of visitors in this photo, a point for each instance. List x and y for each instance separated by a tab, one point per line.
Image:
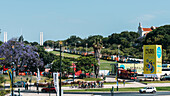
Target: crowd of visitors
88	85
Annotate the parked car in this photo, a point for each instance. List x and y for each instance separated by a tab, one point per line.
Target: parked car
68	81
19	84
47	89
148	90
163	78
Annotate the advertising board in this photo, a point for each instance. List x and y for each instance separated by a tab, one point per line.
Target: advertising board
152	55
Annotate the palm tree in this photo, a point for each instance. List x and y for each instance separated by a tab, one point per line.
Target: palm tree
97	46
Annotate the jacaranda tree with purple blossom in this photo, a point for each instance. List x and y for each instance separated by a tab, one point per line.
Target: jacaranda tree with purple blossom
24	57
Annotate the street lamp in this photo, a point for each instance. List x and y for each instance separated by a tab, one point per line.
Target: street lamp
75	48
134	70
12	78
60	68
117	68
86	47
66	47
12	70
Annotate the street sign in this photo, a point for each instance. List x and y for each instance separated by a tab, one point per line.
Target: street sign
56	82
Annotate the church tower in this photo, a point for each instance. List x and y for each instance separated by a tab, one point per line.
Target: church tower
140	29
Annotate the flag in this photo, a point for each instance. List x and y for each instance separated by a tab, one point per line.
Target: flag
10	76
56	82
38	75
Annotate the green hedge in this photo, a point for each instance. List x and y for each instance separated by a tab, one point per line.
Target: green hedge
4	92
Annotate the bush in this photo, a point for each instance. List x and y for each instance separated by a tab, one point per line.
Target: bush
4	92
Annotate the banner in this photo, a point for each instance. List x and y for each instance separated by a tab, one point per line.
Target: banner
10	77
38	75
152	59
56	82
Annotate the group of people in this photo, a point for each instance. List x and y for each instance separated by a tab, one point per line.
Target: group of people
89	85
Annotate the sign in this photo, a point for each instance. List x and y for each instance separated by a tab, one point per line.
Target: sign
138	66
56	82
152	59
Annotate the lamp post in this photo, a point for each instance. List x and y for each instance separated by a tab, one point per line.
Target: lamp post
117	68
73	72
12	71
66	47
134	70
86	48
117	77
12	78
60	69
75	48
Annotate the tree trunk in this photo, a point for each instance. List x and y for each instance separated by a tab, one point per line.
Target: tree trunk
97	56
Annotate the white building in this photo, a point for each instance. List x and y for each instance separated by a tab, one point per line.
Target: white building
144	31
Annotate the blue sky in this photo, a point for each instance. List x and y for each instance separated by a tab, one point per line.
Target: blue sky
59	19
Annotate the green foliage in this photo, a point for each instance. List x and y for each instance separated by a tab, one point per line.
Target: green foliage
86	64
65	65
160	36
4	92
2	79
47	57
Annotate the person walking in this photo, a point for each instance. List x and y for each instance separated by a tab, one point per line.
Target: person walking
124	82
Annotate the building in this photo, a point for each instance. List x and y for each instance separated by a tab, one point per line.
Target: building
144	31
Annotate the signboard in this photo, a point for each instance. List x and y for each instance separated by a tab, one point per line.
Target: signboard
138	66
152	60
56	82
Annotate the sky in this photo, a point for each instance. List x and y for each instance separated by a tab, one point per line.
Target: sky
60	19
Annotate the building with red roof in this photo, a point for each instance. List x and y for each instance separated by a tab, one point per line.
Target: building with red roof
144	31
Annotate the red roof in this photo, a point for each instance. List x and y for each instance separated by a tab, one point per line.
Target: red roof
147	29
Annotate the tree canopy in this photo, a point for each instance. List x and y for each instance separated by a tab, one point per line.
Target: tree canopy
21	55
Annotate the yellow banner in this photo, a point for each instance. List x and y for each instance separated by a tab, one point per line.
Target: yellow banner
152	59
10	77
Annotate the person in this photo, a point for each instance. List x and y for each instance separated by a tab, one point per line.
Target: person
26	86
101	84
124	82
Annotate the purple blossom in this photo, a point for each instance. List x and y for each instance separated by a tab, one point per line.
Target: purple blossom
21	54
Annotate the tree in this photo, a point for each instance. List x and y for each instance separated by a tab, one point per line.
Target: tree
160	36
97	46
24	57
47	57
86	64
65	66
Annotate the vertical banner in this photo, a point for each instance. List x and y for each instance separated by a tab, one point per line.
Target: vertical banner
159	58
152	60
10	77
56	82
38	75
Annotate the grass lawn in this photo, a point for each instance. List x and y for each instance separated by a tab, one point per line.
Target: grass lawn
92	79
155	82
120	89
105	65
111	83
65	54
34	79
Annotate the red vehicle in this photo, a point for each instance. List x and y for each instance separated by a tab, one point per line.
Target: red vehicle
126	74
5	69
47	89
